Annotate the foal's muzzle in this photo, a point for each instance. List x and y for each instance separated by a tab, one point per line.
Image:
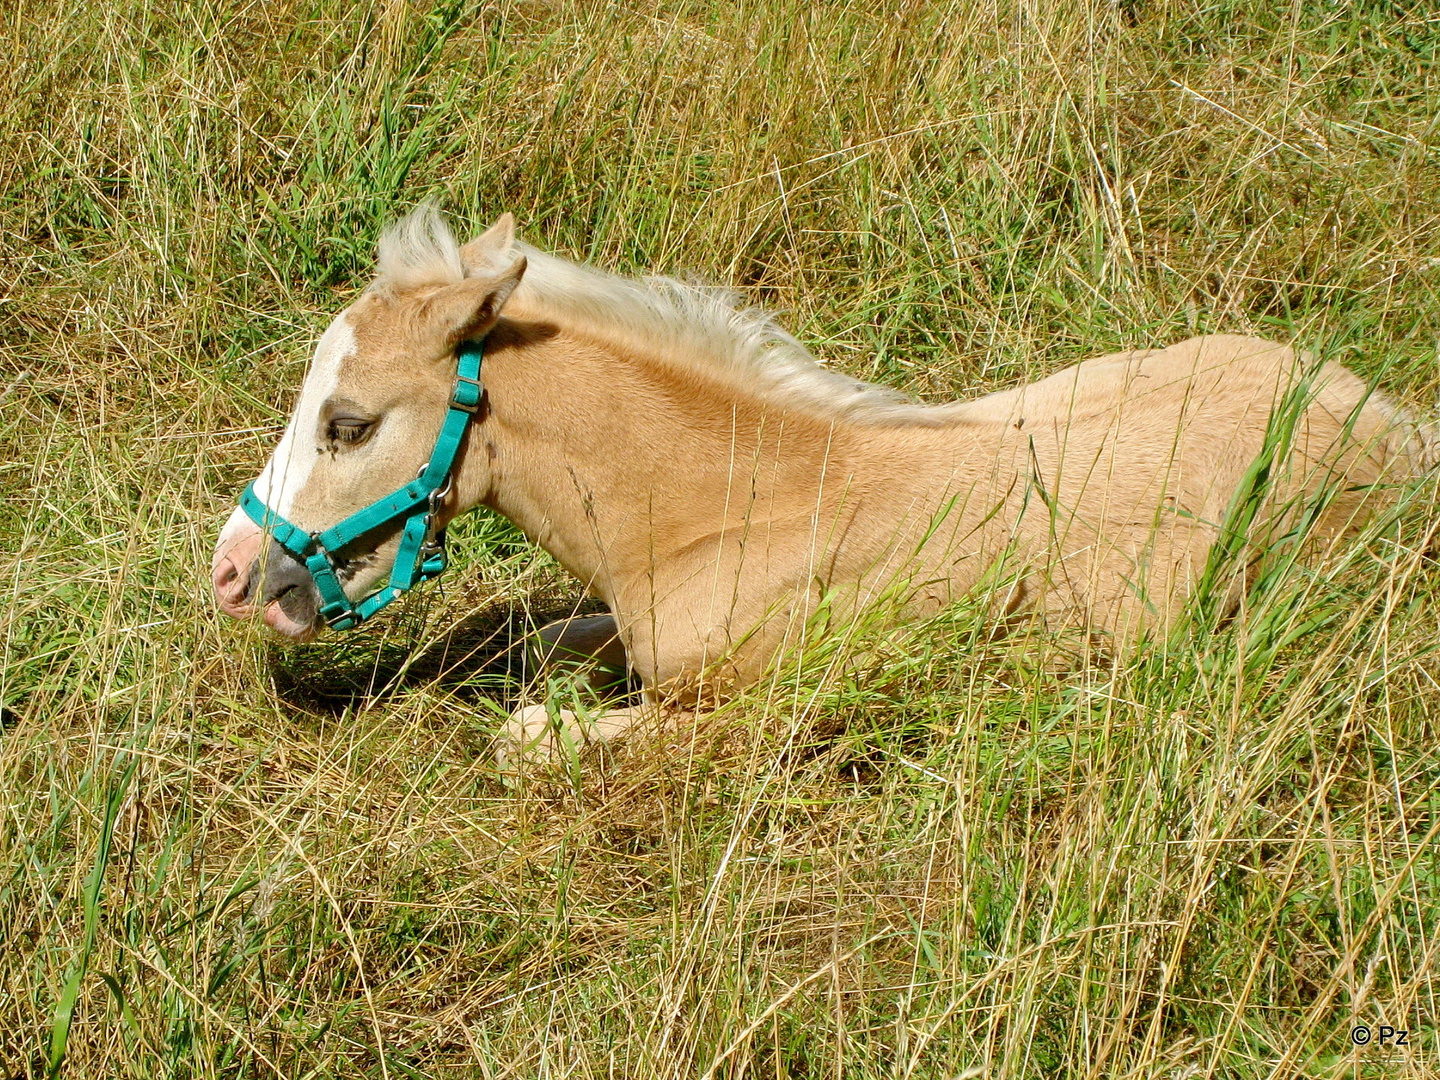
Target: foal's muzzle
252	574
280	579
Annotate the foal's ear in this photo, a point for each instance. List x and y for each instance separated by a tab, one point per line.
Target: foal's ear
491	248
469	308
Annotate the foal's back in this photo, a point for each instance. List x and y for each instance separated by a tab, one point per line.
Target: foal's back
1123	471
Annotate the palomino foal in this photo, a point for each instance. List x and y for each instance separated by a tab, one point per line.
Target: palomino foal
701	474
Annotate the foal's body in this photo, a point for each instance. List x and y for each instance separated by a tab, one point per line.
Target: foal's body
701	474
1103	486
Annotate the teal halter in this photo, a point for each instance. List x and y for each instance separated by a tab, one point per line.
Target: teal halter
422	543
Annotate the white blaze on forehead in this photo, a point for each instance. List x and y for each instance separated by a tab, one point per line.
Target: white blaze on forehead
288	469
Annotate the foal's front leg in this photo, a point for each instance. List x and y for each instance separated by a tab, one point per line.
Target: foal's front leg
587	652
585	649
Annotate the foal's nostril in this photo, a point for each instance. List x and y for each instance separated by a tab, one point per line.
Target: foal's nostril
223	578
230	591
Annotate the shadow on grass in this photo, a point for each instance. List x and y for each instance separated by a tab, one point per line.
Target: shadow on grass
481	657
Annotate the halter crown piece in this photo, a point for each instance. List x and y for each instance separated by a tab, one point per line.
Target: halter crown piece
422	544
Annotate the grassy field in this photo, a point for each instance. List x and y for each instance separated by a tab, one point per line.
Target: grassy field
224	857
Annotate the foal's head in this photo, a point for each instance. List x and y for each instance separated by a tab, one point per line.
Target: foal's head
368	415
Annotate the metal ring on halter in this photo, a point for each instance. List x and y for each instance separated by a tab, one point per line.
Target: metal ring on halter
435	536
439	495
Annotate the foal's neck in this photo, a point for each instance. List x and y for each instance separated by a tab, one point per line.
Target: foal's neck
608	455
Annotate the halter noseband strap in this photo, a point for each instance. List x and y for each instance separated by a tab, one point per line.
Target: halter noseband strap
422	543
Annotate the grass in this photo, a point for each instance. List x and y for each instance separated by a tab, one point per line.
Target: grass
918	855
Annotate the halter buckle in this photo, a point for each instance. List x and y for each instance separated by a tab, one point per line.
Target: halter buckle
471	387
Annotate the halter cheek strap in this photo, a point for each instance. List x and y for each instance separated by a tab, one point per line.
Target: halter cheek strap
421	555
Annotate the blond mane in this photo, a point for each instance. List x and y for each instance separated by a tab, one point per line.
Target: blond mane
706	329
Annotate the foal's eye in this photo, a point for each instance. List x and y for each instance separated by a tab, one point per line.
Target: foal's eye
349	430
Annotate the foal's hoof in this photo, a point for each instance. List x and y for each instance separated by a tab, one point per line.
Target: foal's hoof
536	736
527	738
